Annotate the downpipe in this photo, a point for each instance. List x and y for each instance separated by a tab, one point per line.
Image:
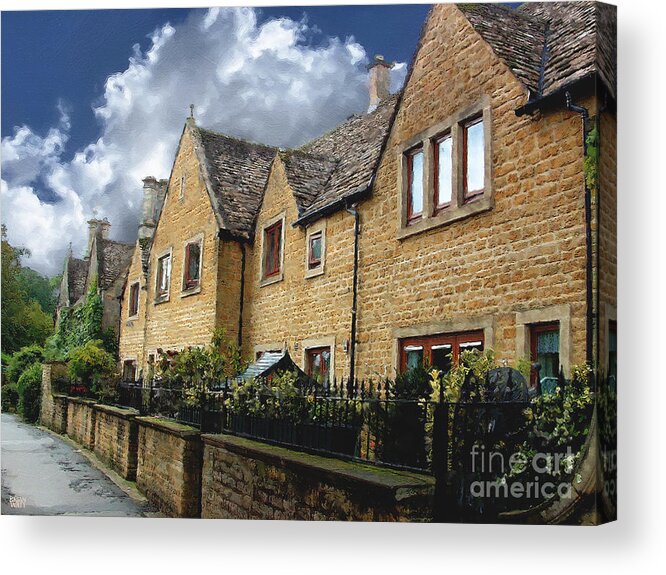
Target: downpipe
352	343
592	275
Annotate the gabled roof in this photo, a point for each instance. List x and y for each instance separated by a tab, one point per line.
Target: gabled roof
113	260
237	172
356	147
322	173
307	175
270	363
550	45
515	37
77	274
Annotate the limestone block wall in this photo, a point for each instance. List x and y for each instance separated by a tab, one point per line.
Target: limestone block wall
132	328
169	466
244	479
184	318
116	439
53	409
300	310
524	253
81	421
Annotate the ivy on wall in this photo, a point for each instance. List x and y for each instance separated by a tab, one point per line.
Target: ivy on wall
79	325
591	164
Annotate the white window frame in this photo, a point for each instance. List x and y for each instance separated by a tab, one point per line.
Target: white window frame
161	298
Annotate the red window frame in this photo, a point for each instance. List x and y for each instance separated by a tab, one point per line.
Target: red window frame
470	195
319	351
134	299
273	232
535	330
189	281
411	215
314	262
427	342
436	142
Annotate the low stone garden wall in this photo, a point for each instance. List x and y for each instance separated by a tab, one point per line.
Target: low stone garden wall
81	421
116	438
169	466
245	479
53	410
186	474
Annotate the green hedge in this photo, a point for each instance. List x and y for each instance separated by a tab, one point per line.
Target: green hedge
30	392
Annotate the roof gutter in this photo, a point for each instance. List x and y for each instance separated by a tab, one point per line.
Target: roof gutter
558	99
351	198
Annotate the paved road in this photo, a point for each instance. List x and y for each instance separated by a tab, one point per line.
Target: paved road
43	475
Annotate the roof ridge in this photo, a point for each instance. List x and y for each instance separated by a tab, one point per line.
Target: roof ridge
235	138
354	117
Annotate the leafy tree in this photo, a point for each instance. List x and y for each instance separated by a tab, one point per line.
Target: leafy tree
22	360
24	322
38	288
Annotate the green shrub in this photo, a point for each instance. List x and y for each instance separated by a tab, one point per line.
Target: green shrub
10	397
22	360
196	369
30	392
90	364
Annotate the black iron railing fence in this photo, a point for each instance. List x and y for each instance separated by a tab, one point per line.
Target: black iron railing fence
463	443
367	421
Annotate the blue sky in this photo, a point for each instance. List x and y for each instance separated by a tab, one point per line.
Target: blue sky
92	101
39	68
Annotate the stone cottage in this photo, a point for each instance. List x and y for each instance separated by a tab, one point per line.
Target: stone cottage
459	213
105	263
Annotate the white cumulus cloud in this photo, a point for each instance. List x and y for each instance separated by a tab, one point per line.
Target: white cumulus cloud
263	82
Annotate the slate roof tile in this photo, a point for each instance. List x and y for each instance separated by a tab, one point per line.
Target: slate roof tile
114	259
77	274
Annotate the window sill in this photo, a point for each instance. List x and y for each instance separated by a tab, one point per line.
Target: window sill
132	318
447	216
271	280
161	299
190	291
314	272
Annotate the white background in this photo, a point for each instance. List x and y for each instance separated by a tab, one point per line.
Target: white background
635	543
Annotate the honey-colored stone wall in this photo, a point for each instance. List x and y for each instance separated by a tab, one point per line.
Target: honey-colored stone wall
116	439
185	319
169	466
132	329
53	406
526	253
301	312
244	479
81	421
607	229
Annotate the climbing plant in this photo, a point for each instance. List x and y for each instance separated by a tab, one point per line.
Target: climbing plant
79	325
591	163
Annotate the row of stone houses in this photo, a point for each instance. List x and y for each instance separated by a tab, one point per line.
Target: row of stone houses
455	214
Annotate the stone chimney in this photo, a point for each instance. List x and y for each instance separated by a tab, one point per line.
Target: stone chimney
154	192
97	228
380	81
